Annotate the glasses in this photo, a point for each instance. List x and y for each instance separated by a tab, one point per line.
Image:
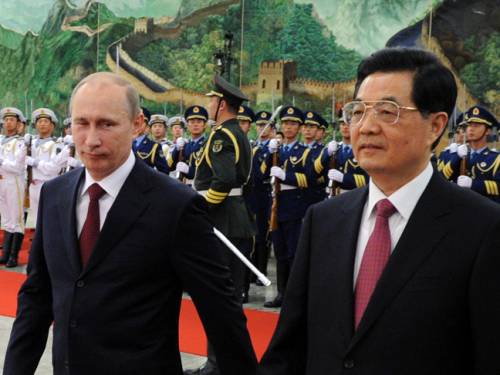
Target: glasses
386	111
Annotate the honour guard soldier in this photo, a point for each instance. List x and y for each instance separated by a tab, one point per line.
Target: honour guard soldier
313	123
12	185
149	151
185	154
482	165
292	172
221	173
246	117
338	158
321	133
260	195
449	154
45	160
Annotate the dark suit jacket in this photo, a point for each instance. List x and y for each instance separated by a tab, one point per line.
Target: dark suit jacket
435	310
119	315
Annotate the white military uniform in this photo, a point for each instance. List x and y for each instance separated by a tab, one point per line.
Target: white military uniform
48	164
12	183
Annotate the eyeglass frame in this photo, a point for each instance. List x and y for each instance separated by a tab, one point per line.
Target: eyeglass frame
400	107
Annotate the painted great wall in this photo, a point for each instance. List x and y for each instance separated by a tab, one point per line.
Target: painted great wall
277	79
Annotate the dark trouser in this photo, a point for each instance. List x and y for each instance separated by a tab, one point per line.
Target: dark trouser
285	241
238	273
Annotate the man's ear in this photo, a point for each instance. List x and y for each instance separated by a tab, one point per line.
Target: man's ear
439	121
139	125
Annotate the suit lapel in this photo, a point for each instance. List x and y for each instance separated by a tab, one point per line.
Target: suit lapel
127	207
420	237
342	261
67	212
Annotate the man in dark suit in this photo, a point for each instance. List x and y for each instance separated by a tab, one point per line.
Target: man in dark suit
401	276
110	271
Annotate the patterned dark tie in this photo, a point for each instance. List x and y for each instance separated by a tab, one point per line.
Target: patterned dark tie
375	257
91	227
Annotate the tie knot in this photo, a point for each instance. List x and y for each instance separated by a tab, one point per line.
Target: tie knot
385	208
95	192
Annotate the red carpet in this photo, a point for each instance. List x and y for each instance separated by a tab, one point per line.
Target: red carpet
261	324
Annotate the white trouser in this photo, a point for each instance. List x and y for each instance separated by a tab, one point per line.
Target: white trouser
35	188
12	203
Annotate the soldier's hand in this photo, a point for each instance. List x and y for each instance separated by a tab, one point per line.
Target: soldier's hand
335	175
32	161
273	145
182	167
278	173
68	140
332	148
180	143
27	138
453	148
464	181
72	162
462	151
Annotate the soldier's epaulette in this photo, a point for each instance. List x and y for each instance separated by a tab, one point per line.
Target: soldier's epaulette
218	127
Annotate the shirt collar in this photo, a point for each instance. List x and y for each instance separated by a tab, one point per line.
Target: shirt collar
289	146
114	182
139	139
406	197
479	151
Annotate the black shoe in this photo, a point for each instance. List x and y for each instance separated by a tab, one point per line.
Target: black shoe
12	262
17	242
7	245
275	302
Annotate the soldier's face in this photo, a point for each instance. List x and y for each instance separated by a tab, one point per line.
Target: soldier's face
264	134
309	132
10	125
103	127
345	131
476	132
196	127
290	129
320	134
158	130
177	131
44	127
245	126
393	154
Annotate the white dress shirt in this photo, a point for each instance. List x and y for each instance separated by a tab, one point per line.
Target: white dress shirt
112	184
404	200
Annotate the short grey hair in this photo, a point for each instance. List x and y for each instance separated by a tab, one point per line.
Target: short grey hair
131	94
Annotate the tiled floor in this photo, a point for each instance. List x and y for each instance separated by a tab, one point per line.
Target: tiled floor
258	295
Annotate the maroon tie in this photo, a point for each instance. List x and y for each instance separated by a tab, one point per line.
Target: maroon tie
375	257
91	228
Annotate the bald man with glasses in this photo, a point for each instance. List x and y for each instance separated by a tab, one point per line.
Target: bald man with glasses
412	283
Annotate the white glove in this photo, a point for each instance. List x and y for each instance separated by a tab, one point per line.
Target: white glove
182	167
462	151
335	175
453	148
32	161
273	145
68	140
27	138
464	181
278	173
332	148
72	162
180	143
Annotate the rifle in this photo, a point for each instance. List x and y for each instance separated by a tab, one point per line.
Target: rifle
332	185
463	162
275	182
181	176
28	140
